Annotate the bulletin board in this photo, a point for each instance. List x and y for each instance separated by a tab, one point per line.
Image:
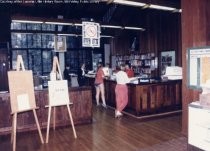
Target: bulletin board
21	91
198	66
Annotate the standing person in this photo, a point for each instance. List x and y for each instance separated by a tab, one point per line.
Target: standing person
66	75
129	70
121	90
99	85
81	75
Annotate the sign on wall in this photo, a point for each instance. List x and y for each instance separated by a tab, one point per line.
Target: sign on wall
60	43
90	34
167	60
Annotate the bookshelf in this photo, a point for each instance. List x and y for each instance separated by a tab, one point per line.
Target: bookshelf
141	63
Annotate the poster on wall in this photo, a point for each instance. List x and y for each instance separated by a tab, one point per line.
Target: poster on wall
90	34
167	59
198	67
60	43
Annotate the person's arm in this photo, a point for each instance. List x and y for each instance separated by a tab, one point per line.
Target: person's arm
102	73
130	79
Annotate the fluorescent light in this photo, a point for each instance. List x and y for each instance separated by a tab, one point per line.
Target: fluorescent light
126	2
135	28
67	35
77	24
161	7
107	36
27	21
58	23
111	26
177	11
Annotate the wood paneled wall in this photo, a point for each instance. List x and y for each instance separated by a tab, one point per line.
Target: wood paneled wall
195	33
163	33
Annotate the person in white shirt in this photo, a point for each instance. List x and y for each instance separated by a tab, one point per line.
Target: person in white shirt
81	75
121	91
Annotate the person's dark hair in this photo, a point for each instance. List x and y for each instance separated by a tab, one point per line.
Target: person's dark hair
129	65
122	67
107	65
118	68
99	65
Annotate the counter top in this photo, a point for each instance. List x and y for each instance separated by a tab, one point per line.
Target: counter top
151	81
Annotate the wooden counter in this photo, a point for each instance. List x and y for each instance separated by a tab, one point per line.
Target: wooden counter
147	98
81	111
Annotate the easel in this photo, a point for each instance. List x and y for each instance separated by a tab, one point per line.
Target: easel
24	90
54	102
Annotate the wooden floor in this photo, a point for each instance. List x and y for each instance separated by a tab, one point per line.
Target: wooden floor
107	134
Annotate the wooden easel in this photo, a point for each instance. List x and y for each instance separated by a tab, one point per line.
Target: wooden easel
14	92
54	70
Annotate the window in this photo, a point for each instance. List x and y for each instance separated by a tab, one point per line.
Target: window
35	42
31	41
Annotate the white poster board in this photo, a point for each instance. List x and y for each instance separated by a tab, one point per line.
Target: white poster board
58	93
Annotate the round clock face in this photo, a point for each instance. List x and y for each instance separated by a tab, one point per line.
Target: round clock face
91	31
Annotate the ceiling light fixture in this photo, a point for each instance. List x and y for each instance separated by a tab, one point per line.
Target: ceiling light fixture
67	34
177	11
144	5
78	24
112	26
162	7
27	21
132	3
58	23
107	36
134	28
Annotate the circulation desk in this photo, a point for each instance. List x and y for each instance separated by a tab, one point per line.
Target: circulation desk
81	111
146	98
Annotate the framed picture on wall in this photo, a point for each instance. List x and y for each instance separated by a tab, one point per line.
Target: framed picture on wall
167	59
60	43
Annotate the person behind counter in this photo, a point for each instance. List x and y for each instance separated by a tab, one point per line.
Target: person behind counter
99	85
121	90
129	70
81	75
66	73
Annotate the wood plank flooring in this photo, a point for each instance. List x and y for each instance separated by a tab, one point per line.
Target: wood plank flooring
107	134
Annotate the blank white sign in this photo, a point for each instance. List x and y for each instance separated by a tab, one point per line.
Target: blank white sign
58	93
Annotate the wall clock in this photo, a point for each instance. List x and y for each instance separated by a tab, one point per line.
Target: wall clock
91	31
